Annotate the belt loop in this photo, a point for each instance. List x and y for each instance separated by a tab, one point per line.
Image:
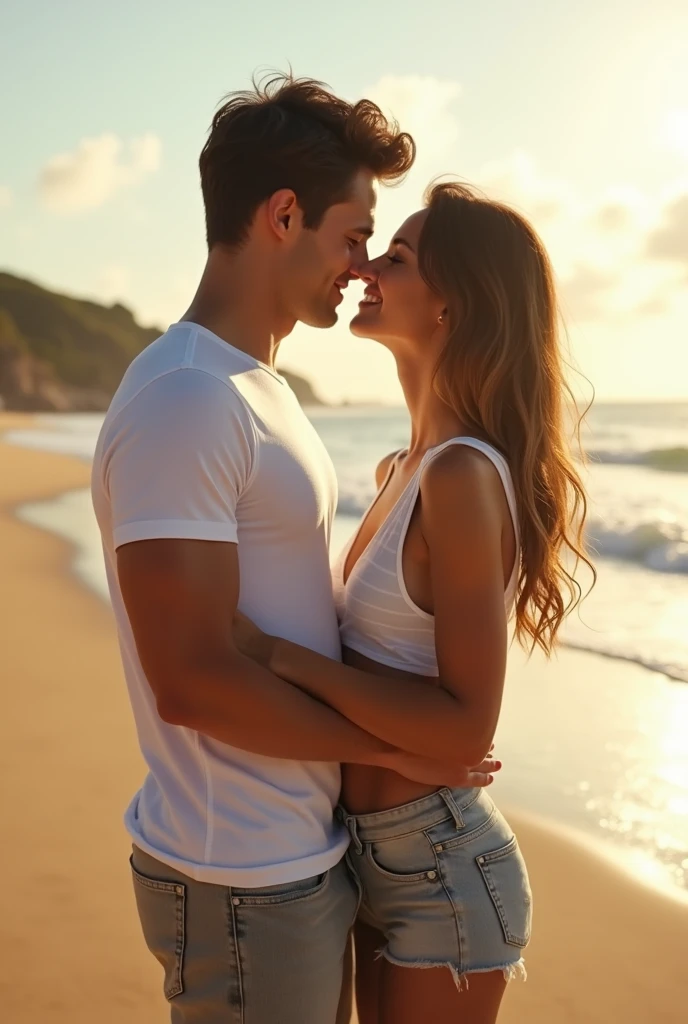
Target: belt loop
449	800
352	826
349	822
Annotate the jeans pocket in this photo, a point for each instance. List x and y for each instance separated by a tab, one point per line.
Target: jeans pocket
356	879
284	892
161	907
506	877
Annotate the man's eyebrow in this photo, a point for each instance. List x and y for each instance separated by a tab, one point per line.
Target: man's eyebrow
402	241
366	231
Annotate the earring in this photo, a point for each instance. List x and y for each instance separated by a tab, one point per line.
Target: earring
440	319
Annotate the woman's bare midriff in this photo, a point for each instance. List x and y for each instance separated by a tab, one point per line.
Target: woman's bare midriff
365	788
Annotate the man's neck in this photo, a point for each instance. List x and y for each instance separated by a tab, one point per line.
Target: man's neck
236	301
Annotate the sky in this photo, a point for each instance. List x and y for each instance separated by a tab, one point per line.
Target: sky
576	113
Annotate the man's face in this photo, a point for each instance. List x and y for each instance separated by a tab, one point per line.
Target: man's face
321	261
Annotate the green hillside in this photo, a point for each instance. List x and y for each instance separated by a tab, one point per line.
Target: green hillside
64	354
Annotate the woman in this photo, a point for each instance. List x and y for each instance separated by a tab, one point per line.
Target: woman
472	521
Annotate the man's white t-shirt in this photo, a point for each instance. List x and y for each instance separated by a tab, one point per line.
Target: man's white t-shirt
203	442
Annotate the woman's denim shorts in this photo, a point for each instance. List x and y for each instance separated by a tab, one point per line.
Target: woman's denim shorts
443	879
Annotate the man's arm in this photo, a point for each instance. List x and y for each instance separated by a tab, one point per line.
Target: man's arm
175	462
180	597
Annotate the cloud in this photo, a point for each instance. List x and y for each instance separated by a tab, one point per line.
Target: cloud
5	197
669	241
518	180
595	240
654	305
598	240
612	217
606	246
582	252
425	106
611	247
96	171
422	106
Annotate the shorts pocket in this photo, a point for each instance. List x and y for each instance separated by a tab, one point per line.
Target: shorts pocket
161	907
506	878
390	859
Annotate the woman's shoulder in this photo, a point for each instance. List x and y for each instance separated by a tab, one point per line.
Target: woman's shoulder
463	473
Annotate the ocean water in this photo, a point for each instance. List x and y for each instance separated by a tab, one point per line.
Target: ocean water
606	753
637	480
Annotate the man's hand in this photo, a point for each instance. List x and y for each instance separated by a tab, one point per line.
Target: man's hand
435	773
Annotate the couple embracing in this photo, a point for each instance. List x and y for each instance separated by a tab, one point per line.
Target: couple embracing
319	742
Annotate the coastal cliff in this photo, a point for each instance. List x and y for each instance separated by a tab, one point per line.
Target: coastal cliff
63	354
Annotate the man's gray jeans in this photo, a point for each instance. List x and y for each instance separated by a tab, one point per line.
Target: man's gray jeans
275	955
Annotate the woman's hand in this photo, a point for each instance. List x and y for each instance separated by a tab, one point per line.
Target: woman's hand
436	773
259	646
252	641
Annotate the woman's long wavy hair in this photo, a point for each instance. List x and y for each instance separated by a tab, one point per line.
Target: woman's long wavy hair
502	373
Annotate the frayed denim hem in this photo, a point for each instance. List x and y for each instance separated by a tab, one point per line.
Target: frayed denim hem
512	972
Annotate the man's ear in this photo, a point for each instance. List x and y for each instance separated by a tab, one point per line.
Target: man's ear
283	213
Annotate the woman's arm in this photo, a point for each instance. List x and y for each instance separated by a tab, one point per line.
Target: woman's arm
462	518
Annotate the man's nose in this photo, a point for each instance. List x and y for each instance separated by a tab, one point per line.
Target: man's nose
365	269
359	259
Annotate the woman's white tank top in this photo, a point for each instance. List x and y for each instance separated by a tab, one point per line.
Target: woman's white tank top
377	617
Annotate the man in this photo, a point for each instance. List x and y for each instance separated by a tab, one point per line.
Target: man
213	491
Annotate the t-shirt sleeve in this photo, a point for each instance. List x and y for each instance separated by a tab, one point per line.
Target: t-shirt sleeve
178	459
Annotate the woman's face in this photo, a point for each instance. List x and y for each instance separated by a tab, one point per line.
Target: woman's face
398	308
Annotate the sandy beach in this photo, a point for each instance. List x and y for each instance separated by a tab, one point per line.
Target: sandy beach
605	948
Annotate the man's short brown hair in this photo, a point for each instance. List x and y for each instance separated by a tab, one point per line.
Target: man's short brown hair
292	133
